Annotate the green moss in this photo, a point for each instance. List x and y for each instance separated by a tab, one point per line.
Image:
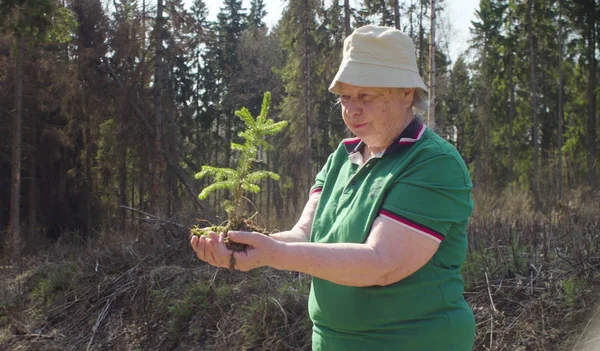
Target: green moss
181	310
52	282
573	288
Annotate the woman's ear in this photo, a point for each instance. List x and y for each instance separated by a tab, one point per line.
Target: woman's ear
408	95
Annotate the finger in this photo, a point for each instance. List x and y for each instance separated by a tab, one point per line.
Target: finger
224	250
212	258
213	236
218	252
215	253
219	249
200	247
194	241
248	238
209	253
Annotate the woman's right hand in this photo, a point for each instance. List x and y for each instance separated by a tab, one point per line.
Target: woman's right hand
211	249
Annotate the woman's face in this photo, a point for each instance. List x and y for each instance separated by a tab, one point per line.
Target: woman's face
376	115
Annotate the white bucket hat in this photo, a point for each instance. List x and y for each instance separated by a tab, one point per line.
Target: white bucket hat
380	57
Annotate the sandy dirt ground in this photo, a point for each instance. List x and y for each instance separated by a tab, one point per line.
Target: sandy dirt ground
589	339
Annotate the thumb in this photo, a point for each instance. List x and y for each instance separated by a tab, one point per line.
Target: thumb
248	238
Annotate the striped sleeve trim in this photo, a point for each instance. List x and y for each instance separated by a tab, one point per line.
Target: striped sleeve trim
412	225
315	191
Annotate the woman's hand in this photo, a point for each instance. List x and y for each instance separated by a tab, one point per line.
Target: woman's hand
260	252
211	249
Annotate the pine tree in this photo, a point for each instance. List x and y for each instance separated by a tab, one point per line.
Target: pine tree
257	14
296	31
487	34
229	27
29	22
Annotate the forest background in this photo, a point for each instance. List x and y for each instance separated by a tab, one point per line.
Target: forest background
112	104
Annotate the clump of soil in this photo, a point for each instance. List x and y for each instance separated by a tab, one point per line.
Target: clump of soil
245	225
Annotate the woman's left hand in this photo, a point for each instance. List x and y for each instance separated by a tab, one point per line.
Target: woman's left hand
260	252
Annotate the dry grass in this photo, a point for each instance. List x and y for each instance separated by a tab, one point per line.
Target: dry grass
530	279
530	276
134	296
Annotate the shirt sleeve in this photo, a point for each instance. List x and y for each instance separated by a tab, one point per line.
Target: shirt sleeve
430	197
321	176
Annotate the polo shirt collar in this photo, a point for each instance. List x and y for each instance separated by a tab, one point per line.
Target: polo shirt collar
410	135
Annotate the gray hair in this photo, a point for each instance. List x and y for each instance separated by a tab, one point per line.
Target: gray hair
420	101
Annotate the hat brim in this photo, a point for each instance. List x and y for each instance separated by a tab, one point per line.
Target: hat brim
368	75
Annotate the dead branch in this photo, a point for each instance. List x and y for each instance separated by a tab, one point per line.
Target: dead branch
35	336
490	292
99	320
154	217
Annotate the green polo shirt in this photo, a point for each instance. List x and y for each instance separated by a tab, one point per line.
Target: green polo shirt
419	182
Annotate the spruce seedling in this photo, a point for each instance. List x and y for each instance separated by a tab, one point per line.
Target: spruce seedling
242	179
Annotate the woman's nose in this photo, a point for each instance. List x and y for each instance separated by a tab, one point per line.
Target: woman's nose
351	108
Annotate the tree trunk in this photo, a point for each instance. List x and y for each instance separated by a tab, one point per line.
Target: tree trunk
268	194
33	199
459	116
384	18
122	178
511	107
156	157
431	113
215	154
15	243
228	137
561	111
477	167
397	14
534	132
347	30
142	173
421	38
277	197
511	118
307	107
132	197
411	26
89	178
591	97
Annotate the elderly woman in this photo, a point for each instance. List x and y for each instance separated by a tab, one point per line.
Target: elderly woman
383	233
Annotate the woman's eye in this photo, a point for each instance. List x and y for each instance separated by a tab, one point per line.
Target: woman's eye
366	97
344	98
